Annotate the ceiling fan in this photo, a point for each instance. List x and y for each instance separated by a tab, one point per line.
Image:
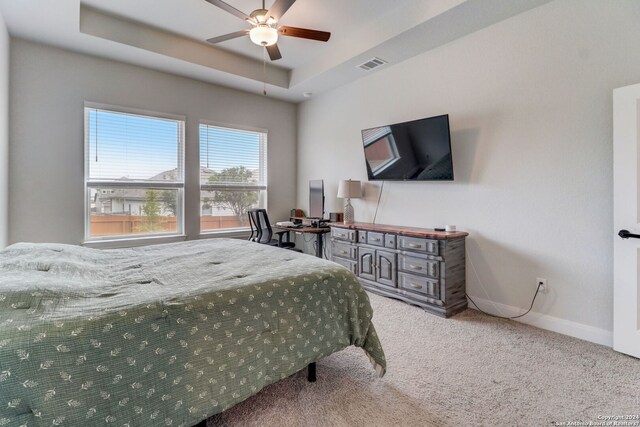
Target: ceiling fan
265	30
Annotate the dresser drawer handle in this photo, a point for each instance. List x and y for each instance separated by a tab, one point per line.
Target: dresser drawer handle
413	285
414	245
415	267
343	252
375	240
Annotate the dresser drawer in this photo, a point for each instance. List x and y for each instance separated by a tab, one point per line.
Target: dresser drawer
390	241
418	245
420	285
343	234
426	267
351	265
344	250
376	239
362	236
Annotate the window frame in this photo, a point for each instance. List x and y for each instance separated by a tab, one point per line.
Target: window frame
111	184
263	189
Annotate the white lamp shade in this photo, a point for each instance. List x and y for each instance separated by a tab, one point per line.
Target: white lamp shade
263	35
349	189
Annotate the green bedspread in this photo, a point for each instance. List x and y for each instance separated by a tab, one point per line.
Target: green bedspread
165	335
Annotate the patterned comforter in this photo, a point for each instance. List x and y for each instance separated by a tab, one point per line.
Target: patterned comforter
165	335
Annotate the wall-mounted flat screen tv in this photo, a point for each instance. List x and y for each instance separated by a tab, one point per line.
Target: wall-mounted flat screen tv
419	150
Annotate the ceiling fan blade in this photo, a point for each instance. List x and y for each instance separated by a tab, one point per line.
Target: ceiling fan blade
232	10
229	36
279	8
274	52
304	33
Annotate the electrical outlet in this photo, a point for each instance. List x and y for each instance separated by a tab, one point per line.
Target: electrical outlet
542	282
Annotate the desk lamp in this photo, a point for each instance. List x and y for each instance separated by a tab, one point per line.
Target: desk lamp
349	189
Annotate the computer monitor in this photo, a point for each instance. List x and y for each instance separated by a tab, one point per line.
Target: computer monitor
316	198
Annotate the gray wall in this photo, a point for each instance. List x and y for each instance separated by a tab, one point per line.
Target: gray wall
530	103
48	89
4	134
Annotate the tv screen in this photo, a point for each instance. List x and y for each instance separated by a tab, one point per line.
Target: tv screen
419	150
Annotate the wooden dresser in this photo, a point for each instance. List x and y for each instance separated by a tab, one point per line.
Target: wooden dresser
417	265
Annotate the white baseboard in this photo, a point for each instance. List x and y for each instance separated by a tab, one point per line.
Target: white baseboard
550	323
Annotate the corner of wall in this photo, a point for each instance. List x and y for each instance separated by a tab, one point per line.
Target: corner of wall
296	169
4	134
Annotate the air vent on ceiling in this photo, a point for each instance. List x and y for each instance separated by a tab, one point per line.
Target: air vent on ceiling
372	63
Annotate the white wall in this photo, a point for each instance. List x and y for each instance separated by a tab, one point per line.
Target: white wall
4	134
530	104
48	90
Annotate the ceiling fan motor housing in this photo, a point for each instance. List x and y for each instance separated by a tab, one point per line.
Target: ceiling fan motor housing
260	16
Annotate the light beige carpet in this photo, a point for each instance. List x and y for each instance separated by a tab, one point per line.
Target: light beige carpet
470	370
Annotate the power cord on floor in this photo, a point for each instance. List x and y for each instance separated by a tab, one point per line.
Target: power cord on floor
495	315
506	317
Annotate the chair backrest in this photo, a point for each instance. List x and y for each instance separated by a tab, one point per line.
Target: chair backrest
261	231
254	230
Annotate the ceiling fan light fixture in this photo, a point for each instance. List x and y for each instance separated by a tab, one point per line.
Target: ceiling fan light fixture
266	30
263	35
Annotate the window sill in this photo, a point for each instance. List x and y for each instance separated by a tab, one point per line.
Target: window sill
237	233
133	242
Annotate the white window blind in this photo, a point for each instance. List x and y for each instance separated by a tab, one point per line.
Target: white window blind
233	175
131	147
134	174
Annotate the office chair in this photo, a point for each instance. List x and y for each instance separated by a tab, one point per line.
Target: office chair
261	231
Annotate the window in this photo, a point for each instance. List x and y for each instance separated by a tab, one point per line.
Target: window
134	174
233	176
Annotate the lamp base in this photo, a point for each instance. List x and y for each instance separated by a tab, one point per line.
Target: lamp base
348	212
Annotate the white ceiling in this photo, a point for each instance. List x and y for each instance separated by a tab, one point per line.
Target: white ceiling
360	29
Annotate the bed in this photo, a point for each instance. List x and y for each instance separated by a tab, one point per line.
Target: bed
165	335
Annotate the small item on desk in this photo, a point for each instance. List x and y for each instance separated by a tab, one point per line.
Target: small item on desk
285	224
439	229
319	223
336	216
450	228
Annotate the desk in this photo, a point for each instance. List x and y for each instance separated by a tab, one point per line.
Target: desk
319	232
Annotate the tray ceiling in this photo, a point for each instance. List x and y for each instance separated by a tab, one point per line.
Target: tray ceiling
169	35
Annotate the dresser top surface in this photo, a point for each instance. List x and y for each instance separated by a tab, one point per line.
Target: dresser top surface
404	231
